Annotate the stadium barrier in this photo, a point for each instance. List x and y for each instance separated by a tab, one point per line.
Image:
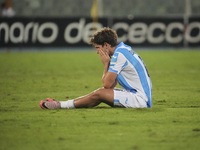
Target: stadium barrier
73	32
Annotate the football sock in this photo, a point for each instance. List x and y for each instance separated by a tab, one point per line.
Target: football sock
67	104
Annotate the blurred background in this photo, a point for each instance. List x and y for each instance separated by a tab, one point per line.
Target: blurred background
107	8
60	23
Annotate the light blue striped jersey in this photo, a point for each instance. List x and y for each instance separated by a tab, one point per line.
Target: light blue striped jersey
132	73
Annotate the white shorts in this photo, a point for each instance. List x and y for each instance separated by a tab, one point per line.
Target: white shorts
123	98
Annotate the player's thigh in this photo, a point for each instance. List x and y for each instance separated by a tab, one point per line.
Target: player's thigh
106	95
123	98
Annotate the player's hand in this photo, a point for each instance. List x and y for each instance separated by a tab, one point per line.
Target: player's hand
105	58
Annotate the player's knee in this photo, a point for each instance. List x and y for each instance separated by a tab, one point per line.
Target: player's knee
97	94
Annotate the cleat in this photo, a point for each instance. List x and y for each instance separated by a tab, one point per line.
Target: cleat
42	105
50	104
50	100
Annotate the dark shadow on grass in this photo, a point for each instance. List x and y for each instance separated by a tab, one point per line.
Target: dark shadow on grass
99	107
185	107
191	107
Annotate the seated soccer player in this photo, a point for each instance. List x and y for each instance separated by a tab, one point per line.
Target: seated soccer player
121	65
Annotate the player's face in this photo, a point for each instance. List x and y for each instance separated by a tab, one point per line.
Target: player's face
100	47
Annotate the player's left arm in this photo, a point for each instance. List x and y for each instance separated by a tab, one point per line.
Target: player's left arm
115	84
109	80
117	63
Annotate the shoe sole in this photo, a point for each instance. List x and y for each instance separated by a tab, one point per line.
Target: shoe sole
42	103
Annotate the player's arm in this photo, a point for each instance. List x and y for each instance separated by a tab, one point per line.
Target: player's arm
109	80
115	84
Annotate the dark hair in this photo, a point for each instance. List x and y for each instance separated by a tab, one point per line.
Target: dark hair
103	35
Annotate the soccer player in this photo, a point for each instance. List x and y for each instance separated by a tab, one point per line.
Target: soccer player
121	65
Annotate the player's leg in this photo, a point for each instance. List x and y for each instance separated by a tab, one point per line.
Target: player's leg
90	100
95	98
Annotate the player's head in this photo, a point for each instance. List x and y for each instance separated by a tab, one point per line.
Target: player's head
104	35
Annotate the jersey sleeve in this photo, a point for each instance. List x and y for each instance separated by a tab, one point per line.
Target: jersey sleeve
117	63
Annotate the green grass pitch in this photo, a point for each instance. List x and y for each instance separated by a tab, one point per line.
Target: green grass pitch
173	123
